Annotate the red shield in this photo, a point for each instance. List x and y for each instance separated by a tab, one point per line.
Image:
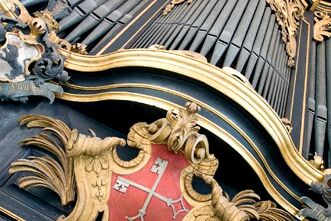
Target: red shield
153	193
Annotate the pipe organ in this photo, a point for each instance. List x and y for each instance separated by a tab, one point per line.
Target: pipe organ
118	100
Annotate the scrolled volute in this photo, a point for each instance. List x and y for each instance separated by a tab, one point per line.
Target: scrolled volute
80	166
81	144
179	131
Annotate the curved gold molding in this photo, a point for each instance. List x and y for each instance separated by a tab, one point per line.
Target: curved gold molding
11	214
216	78
201	104
202	121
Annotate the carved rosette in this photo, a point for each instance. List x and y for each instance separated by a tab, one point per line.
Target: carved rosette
322	26
84	164
288	13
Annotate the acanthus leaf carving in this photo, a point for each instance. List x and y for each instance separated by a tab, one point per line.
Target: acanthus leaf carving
244	206
82	165
322	26
77	163
288	13
55	175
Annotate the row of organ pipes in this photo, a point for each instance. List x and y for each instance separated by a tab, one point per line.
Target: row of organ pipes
242	34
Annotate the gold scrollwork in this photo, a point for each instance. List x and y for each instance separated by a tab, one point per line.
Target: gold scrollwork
205	169
288	13
136	139
322	26
218	79
180	132
242	207
37	24
287	124
83	164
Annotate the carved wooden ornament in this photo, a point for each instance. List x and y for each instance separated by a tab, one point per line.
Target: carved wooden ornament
156	184
173	3
288	14
322	26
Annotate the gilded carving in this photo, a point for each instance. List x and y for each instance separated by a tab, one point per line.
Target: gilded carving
204	169
180	132
173	3
84	166
288	14
65	45
287	124
243	206
317	162
81	165
322	26
57	176
30	60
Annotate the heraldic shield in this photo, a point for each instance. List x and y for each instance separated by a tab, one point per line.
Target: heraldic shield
162	171
154	189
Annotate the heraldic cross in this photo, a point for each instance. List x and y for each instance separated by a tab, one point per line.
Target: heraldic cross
159	168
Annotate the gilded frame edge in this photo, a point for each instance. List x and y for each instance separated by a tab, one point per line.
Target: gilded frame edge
203	122
221	80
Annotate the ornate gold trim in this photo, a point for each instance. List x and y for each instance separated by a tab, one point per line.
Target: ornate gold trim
10	214
201	104
216	78
322	26
288	14
315	4
82	165
203	122
37	24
